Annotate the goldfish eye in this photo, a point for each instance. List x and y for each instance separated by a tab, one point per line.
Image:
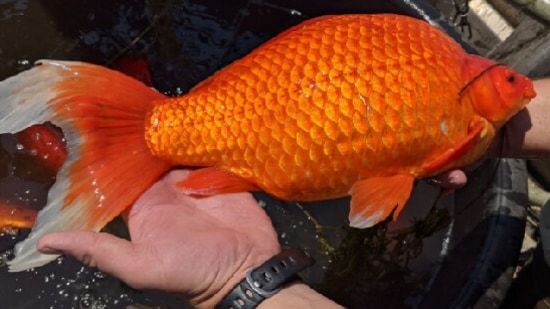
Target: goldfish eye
511	78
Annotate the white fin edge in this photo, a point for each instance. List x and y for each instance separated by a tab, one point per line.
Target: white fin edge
27	99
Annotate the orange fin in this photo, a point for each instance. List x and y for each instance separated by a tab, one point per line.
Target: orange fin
373	199
101	113
214	180
476	128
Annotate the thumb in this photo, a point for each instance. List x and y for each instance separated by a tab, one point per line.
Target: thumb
453	179
106	252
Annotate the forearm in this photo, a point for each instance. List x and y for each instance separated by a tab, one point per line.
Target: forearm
298	296
527	135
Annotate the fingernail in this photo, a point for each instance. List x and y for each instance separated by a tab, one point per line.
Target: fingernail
48	250
453	180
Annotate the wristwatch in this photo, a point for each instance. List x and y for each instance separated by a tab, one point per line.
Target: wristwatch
267	279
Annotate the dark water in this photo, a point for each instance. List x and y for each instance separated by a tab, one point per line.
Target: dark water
183	42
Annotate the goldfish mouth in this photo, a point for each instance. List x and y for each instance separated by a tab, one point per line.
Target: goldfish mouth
530	93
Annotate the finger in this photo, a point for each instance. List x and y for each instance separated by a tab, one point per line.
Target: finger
449	180
108	253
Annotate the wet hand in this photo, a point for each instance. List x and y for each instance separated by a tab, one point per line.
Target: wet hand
197	248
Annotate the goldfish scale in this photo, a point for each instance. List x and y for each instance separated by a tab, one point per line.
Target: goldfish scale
346	127
290	129
325	52
392	116
332	131
271	168
301	160
347	90
375	121
262	152
249	112
353	45
286	166
219	120
390	142
241	143
408	116
344	149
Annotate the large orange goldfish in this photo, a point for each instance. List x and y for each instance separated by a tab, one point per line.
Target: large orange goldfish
338	105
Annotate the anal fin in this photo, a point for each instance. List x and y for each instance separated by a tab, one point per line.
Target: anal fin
373	199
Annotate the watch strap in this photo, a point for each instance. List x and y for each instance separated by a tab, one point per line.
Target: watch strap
267	279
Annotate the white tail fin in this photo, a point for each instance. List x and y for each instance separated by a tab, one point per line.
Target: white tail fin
101	113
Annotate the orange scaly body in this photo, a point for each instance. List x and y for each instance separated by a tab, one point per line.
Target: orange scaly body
353	104
325	104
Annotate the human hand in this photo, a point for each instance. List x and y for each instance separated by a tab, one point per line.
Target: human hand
198	248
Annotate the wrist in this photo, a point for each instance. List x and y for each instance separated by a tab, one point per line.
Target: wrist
266	280
210	299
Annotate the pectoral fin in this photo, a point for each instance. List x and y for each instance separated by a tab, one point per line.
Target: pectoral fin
477	129
373	199
214	180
